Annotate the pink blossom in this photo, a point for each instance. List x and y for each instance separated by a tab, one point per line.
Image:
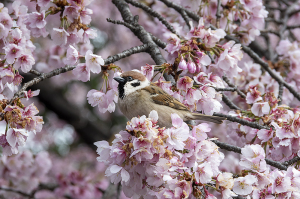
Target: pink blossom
3	31
16	136
43	3
59	36
72	56
192	95
265	135
280	182
199	131
25	61
71	12
203	173
12	51
253	95
209	105
243	185
5	19
182	64
199	31
89	34
85	16
105	102
148	71
82	72
36	20
191	66
173	44
184	83
30	94
285	46
213	36
19	10
117	174
93	62
225	180
260	109
178	135
103	150
202	59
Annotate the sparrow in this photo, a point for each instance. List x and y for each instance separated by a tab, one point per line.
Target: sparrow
138	96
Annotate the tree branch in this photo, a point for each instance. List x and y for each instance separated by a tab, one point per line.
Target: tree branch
17	191
236	149
234	86
229	103
143	35
242	121
126	53
154	14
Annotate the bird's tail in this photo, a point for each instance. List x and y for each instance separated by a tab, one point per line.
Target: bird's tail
208	118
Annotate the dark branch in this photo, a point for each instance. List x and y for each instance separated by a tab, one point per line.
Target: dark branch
126	53
144	36
280	93
236	149
16	191
186	18
229	103
128	25
242	121
291	161
234	86
154	14
218	15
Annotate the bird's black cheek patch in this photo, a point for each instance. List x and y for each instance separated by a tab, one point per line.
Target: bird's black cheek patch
136	84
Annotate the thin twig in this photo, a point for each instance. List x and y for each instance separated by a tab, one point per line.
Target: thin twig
270	31
291	161
240	93
280	93
186	19
158	42
293	27
273	20
126	53
17	191
229	103
35	72
154	14
119	189
128	25
218	15
286	17
242	121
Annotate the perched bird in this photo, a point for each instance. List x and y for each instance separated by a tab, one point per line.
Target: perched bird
138	96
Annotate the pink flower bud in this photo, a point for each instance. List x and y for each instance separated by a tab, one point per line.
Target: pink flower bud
191	66
182	64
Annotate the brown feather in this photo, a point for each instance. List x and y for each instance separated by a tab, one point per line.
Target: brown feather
159	96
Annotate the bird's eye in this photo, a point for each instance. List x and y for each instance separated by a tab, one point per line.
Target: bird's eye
129	78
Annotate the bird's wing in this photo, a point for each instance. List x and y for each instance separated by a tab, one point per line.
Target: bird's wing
159	96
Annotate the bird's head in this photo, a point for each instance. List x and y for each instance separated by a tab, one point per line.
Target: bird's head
130	82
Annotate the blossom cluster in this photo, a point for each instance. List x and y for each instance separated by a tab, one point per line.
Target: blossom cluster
195	52
23	172
19	122
163	163
244	19
17	27
262	182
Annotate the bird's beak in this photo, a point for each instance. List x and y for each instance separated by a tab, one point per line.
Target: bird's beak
119	79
